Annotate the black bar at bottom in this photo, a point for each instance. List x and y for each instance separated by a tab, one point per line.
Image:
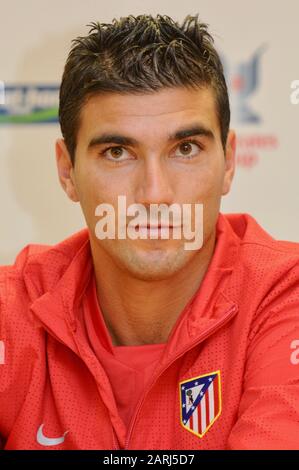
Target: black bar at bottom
148	458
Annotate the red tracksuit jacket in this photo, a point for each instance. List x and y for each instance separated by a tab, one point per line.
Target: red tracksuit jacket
228	379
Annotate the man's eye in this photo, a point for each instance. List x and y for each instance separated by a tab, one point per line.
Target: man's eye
115	154
187	149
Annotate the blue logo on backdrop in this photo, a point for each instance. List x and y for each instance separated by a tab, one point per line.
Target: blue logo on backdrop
242	81
29	104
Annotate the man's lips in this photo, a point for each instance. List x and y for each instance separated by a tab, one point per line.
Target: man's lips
148	226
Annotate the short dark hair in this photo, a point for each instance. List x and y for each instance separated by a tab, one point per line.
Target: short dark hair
140	54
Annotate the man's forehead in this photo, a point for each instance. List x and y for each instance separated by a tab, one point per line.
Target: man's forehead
167	107
160	101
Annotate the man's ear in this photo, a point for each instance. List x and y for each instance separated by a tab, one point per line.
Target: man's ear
230	161
65	170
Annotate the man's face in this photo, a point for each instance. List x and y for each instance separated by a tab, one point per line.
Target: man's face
147	158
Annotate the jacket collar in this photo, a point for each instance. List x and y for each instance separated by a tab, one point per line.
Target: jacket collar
56	299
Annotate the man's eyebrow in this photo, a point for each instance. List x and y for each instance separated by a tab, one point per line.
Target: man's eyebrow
192	131
109	138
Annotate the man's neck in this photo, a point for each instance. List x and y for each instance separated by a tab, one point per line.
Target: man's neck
138	312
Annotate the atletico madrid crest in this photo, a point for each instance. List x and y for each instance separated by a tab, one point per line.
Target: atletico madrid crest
200	402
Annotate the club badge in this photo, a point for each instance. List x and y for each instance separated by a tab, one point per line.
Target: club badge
200	399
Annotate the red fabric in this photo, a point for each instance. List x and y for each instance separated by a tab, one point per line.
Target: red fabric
129	368
240	326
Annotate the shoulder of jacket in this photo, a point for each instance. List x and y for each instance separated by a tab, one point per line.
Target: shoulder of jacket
259	245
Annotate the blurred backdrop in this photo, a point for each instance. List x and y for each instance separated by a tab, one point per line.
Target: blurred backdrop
257	42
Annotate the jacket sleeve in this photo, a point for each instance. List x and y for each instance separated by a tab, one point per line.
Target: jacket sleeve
2	342
268	416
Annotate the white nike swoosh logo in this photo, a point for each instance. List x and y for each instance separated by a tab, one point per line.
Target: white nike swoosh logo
48	441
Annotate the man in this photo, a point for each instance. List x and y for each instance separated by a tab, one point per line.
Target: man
113	342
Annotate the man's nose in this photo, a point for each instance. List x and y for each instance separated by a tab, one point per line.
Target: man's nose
155	183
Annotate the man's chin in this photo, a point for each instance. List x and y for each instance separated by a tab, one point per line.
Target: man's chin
155	265
155	261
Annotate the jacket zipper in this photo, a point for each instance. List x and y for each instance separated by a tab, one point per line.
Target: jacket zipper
204	335
115	440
